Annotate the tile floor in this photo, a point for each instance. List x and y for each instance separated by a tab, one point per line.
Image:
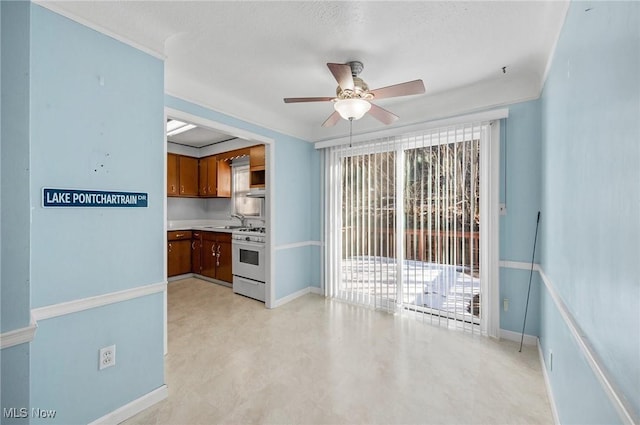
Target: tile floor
317	361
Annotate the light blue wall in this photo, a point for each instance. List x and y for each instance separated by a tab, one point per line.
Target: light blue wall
514	284
591	204
520	190
73	385
96	122
317	215
296	197
522	144
15	165
14	198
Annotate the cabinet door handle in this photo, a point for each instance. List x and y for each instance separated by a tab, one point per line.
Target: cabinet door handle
182	188
213	250
169	247
218	250
179	235
173	188
193	245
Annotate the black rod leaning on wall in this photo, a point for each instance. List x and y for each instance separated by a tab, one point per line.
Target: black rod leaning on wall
535	238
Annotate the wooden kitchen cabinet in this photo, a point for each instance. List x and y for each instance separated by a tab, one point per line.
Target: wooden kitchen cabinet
172	175
188	170
224	179
208	182
178	252
257	166
216	256
196	253
208	256
182	175
224	271
215	178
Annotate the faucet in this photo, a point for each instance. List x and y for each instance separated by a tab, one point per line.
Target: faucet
240	217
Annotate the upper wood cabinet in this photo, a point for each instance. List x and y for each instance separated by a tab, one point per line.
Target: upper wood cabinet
172	175
257	166
182	175
188	169
215	178
208	177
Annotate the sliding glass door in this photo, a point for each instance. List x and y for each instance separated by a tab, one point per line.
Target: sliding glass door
404	216
442	225
369	259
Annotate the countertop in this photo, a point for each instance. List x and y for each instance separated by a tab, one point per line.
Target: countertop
212	225
202	225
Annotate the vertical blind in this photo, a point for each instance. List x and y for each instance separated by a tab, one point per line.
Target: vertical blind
402	230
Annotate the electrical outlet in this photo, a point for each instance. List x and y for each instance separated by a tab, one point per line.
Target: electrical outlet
503	209
107	357
505	304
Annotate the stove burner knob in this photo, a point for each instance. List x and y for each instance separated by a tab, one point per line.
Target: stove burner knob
248	239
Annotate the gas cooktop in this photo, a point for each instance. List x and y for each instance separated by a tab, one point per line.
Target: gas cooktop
251	230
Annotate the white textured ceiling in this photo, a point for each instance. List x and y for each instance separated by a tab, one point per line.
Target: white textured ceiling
242	57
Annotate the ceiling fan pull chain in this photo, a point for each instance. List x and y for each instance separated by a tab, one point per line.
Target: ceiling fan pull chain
350	130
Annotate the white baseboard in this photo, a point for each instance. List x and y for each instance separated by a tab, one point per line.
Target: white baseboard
131	409
547	383
516	336
298	294
316	290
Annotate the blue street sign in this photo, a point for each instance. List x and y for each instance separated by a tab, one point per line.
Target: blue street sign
92	198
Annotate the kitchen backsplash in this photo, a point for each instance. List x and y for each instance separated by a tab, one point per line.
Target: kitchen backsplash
198	209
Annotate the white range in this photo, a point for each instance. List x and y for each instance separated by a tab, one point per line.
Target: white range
249	262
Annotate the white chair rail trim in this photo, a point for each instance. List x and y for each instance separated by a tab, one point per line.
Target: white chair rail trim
593	360
19	336
56	310
297	245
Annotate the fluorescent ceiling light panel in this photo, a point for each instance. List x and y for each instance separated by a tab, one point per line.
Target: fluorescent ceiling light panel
176	127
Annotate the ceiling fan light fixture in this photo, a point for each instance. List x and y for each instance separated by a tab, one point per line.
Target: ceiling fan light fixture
352	108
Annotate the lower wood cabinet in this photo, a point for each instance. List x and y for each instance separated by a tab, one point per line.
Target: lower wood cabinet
196	253
204	253
178	252
216	256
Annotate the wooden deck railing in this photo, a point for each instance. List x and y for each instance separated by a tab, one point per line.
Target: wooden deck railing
439	246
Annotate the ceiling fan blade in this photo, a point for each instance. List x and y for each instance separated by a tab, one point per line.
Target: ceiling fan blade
332	120
402	89
382	115
307	99
342	73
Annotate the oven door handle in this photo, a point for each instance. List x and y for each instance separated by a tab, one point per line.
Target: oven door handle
240	242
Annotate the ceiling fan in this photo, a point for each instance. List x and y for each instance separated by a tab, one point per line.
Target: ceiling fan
353	97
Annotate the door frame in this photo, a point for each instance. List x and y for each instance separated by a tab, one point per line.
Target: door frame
269	192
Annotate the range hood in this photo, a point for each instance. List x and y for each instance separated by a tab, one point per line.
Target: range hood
256	193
